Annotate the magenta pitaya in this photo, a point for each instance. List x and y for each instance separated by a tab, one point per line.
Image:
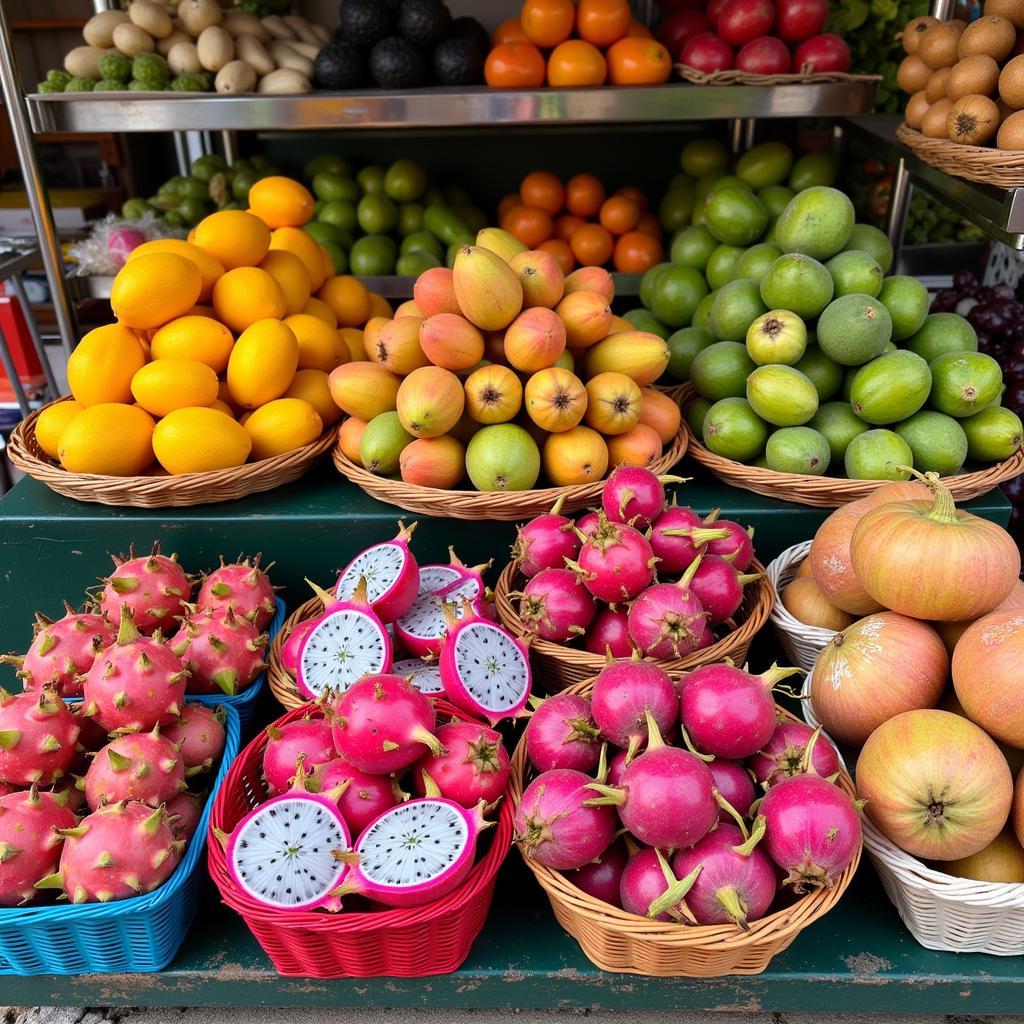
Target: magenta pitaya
615	562
37	738
117	852
360	796
424	675
291	647
786	754
555	606
546	542
634	495
198	734
307	740
136	683
29	843
183	814
668	621
678	536
140	766
391	574
608	634
243	587
153	586
737	547
474	765
562	734
222	652
422	629
624	694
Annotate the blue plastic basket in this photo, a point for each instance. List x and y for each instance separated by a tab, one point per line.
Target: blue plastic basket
135	935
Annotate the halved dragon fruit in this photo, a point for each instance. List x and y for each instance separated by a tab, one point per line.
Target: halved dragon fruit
347	642
485	670
422	629
391	574
424	675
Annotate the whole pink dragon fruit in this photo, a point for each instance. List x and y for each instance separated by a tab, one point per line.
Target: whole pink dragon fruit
29	843
140	766
360	796
119	851
244	588
473	766
668	620
37	738
136	683
183	814
615	563
221	651
546	542
198	734
153	586
62	651
291	647
306	740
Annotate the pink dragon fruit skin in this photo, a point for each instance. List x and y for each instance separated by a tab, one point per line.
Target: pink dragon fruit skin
391	573
363	798
140	766
291	647
62	651
198	734
153	586
222	652
117	852
29	844
474	766
243	587
136	683
183	814
308	739
37	738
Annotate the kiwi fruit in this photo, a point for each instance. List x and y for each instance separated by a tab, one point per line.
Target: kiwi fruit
917	107
916	27
938	44
973	120
1011	83
974	75
936	87
1004	110
1011	132
933	124
913	74
1013	10
992	35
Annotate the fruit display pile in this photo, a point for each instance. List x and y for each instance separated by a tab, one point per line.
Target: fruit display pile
200	48
963	79
99	796
637	575
502	367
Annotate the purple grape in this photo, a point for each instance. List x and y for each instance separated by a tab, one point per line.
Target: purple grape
964	279
1001	352
984	343
1014	490
1003	291
987	318
945	301
1013	396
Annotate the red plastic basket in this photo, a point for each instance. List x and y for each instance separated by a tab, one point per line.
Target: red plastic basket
403	943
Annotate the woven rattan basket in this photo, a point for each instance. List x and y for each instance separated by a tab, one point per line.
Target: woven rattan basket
830	491
506	506
282	684
162	491
733	77
628	944
1003	168
557	666
802	643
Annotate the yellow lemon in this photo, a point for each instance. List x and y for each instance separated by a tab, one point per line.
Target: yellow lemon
290	274
281	202
164	385
316	307
209	267
247	294
233	237
102	366
152	289
222	406
320	346
311	386
353	338
348	298
199	441
50	423
111	439
262	364
379	306
298	243
282	426
194	337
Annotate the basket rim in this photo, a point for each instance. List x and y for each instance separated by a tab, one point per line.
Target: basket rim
734	77
780	615
1009	158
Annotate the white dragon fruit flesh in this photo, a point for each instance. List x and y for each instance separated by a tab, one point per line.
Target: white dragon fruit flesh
391	574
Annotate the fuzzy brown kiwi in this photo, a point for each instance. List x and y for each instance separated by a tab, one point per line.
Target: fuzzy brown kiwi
914	29
913	74
936	87
1011	83
1011	132
933	124
1011	9
972	120
917	107
992	35
974	75
938	44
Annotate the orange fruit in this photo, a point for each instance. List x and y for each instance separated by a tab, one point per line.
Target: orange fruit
298	243
592	245
619	215
281	202
561	251
530	224
290	273
638	30
509	31
576	62
112	439
632	192
348	299
353	339
320	346
311	386
379	306
649	224
636	252
566	225
547	22
155	288
51	422
194	337
603	22
247	294
209	268
515	66
633	61
543	189
234	237
509	202
584	195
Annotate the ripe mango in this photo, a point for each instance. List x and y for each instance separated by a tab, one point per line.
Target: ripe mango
488	290
364	390
637	354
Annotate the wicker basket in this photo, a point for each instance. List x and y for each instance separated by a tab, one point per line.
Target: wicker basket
628	944
830	491
558	666
733	77
802	643
401	943
999	167
282	683
162	491
506	506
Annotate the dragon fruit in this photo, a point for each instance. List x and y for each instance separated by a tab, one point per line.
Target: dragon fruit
424	675
785	754
555	606
546	542
62	651
308	740
668	621
37	738
29	843
615	563
154	587
140	766
243	587
609	634
391	574
183	814
291	647
678	536
136	683
119	851
348	641
485	670
562	734
198	734
360	797
382	723
222	652
422	629
474	765
736	547
634	495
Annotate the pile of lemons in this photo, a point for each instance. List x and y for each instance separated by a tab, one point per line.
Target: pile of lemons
221	349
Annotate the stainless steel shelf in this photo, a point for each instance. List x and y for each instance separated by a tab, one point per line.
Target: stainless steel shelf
440	108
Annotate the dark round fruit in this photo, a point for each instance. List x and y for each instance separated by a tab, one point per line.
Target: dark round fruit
397	64
458	62
424	22
964	279
945	301
365	22
339	66
471	29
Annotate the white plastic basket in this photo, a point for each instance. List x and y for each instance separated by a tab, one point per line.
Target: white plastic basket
802	643
958	915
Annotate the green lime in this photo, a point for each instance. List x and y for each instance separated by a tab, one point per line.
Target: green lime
853	329
472	216
325	233
693	246
737	305
722	265
778	336
756	260
825	374
170	186
329	163
798	450
456	195
878	455
422	241
242	181
775	198
677	291
676	208
704	156
205	167
993	434
134	209
733	430
340	213
890	388
191	211
855	271
782	395
414	263
338	257
721	370
695	413
735	215
867	238
328	185
702	314
261	163
817	222
907	301
963	383
683	346
405	181
839	425
410	219
373	256
766	164
376	214
820	168
938	442
371	179
942	333
173	219
645	320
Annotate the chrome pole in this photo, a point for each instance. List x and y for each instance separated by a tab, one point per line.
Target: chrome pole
899	207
